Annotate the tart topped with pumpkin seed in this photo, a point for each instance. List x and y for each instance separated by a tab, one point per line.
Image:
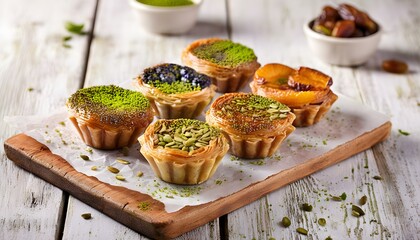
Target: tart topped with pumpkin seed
183	151
176	91
254	125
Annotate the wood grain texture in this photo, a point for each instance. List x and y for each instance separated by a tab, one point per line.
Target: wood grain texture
36	73
120	50
392	210
123	204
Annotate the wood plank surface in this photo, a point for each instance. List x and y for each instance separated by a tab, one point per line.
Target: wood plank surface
393	202
36	73
120	51
123	204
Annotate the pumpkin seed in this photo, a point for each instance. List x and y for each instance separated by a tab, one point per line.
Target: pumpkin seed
86	216
377	177
84	157
112	169
122	161
120	177
357	211
302	231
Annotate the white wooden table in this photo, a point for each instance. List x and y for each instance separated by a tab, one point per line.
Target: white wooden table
37	74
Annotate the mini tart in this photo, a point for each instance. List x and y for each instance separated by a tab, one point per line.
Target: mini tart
176	91
229	64
306	91
254	125
183	151
109	117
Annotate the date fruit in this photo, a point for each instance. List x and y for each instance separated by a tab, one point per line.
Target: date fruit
344	29
394	66
348	12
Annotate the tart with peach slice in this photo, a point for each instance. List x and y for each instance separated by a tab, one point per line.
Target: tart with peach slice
306	91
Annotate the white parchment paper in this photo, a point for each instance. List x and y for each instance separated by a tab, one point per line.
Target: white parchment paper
344	122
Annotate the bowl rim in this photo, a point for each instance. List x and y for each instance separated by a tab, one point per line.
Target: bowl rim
313	34
138	5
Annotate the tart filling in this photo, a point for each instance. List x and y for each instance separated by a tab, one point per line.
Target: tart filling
109	117
176	91
254	125
305	89
183	151
230	65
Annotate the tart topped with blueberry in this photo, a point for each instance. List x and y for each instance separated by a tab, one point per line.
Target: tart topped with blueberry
229	64
109	117
176	91
183	151
306	91
254	125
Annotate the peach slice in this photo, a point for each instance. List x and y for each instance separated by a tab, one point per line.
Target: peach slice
309	79
273	74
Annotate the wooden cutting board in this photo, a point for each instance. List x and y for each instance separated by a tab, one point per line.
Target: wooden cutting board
146	215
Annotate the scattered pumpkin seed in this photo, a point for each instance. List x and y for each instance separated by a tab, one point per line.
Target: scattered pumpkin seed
285	222
357	211
335	198
302	231
94	168
84	157
86	216
120	177
306	207
140	174
122	161
322	222
112	169
125	151
377	177
363	200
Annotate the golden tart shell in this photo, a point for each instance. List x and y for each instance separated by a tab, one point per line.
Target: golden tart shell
227	79
182	167
260	143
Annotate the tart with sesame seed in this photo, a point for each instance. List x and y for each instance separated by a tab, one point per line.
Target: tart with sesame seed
183	151
109	117
306	91
176	91
230	65
254	125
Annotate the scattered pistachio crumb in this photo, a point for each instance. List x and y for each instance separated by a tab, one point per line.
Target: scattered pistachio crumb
113	169
122	161
144	206
324	142
62	123
402	132
84	157
285	222
328	238
86	216
30	89
218	181
120	177
89	150
94	168
363	200
322	222
343	196
306	207
140	174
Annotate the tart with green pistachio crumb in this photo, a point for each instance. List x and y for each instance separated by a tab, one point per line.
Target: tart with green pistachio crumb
176	91
183	151
229	64
109	117
255	126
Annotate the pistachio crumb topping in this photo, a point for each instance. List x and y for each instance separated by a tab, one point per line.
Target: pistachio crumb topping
112	103
249	112
183	134
225	53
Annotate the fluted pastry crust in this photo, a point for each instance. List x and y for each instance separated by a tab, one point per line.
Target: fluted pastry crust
226	78
261	138
177	105
183	167
102	128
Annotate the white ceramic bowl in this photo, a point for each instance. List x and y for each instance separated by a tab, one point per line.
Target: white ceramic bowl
166	20
342	51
